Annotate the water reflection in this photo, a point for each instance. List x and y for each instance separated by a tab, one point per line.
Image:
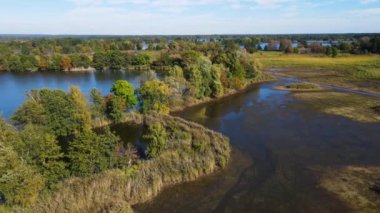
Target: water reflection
13	86
277	145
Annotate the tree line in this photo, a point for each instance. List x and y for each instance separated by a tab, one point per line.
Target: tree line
64	54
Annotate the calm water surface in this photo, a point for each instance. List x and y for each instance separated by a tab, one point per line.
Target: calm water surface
278	147
279	144
13	86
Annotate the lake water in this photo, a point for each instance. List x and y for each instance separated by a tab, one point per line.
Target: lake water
279	145
13	86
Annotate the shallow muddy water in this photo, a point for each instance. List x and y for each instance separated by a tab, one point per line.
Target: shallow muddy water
279	145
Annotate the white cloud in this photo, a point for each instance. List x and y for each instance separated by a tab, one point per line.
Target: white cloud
367	1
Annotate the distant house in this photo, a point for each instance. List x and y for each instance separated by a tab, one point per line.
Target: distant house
262	46
321	43
294	44
265	46
203	40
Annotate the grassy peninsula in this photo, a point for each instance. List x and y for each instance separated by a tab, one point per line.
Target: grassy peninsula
190	151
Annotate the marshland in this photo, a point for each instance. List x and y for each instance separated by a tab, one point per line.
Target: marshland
166	125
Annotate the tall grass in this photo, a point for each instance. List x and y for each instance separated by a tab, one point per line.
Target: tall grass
192	151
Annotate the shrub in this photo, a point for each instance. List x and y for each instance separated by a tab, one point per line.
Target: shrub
302	86
156	139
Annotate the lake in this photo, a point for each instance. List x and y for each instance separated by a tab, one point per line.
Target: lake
14	86
279	145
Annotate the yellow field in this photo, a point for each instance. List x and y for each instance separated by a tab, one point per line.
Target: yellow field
310	61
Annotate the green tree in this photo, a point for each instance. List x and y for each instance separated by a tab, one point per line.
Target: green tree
80	60
334	52
154	96
125	90
328	51
19	183
156	139
55	63
141	59
98	107
38	146
100	61
216	84
55	109
81	112
115	107
197	70
15	64
115	60
90	153
175	71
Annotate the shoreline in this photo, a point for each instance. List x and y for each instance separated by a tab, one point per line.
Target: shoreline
283	88
229	94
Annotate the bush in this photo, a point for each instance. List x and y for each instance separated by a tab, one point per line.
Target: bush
302	86
156	139
19	183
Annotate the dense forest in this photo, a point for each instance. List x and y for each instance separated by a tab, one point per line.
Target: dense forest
20	54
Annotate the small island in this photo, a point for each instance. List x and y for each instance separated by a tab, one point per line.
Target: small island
304	86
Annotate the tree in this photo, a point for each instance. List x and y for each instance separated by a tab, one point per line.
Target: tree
154	96
100	61
175	71
216	84
90	153
156	139
115	60
98	107
81	112
52	108
115	107
286	45
15	64
345	47
80	60
272	45
19	183
65	63
328	51
125	90
38	146
141	59
197	70
334	52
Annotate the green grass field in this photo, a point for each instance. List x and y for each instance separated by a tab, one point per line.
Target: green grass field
350	71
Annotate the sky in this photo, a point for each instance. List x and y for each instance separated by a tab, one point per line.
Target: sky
184	17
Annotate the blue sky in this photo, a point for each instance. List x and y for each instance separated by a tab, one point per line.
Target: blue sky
138	17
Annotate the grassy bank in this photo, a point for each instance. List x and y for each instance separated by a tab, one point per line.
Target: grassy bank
350	71
355	107
191	152
353	186
300	87
262	78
